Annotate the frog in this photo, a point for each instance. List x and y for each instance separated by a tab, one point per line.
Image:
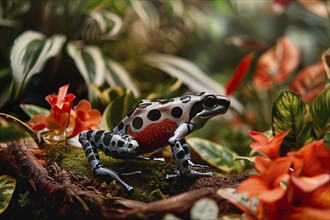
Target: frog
150	126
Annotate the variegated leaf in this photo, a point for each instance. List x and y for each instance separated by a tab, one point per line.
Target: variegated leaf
7	187
219	156
30	53
90	63
117	75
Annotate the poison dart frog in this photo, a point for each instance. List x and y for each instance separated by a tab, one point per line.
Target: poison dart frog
152	125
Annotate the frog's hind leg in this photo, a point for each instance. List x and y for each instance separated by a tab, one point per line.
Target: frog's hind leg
91	141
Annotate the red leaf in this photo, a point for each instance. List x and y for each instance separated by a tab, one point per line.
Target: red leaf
239	74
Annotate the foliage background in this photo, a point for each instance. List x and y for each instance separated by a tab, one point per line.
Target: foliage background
103	48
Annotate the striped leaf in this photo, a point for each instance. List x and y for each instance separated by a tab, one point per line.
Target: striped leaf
320	110
90	63
290	112
216	155
30	53
7	187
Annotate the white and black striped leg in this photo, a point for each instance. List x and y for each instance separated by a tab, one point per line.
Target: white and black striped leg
182	160
185	147
140	157
94	159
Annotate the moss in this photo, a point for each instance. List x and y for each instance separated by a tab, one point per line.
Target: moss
149	185
156	195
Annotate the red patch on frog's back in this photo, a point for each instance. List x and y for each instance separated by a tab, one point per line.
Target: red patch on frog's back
154	136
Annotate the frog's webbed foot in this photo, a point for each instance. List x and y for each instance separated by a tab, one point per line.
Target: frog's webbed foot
107	172
131	173
197	165
140	157
190	173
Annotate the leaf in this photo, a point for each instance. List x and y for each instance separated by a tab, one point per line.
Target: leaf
12	128
320	111
326	61
5	85
33	110
118	109
248	205
119	76
30	53
90	63
290	112
7	187
169	89
216	155
102	24
147	13
239	74
189	74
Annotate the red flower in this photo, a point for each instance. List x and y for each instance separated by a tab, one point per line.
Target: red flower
311	160
239	74
62	102
310	81
63	118
270	148
57	120
270	185
277	64
85	118
37	122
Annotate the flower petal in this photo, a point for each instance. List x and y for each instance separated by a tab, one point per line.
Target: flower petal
309	184
37	122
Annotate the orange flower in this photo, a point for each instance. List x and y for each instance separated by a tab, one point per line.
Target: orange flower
310	81
277	64
311	160
37	122
308	197
270	185
62	102
85	118
63	118
57	120
270	148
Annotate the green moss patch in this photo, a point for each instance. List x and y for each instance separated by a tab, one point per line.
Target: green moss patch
149	185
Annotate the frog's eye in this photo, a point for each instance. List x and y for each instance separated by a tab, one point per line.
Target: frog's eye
210	101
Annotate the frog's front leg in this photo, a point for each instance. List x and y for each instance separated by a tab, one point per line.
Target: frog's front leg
119	146
181	153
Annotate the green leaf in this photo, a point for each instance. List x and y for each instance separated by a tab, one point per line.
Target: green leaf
33	110
30	53
216	155
167	90
7	187
102	24
290	112
147	13
320	111
189	74
90	63
116	75
118	109
12	128
5	85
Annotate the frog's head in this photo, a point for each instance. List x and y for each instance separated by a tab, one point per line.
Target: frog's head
206	106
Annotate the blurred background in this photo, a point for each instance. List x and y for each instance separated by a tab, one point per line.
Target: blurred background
248	49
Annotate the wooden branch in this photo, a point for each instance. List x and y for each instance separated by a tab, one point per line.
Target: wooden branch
174	205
